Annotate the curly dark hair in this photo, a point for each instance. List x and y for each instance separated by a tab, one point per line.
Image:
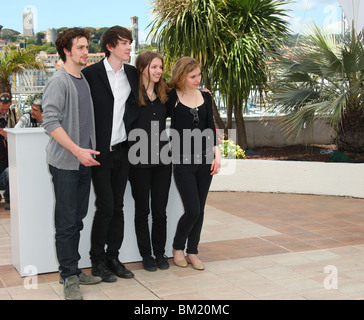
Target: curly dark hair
65	39
111	37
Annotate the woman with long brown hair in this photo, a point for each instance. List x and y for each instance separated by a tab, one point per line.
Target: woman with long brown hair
149	177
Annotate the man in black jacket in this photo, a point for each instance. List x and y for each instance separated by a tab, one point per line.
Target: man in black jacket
114	90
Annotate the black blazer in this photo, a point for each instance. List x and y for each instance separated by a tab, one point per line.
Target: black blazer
103	101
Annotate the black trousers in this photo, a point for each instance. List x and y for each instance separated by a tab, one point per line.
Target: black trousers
109	181
193	183
151	185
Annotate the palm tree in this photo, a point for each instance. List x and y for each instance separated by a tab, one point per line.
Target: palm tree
188	28
231	38
255	29
15	60
325	78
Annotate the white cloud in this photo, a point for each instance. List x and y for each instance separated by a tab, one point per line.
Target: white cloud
335	2
310	4
300	25
324	13
142	36
335	27
303	5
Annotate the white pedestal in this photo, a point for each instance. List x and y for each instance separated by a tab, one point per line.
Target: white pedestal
32	209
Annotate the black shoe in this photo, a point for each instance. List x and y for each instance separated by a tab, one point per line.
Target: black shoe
162	261
101	270
149	263
117	268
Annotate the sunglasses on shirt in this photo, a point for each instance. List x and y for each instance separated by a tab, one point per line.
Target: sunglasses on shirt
196	119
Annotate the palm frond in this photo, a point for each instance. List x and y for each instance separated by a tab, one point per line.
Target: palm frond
15	60
325	77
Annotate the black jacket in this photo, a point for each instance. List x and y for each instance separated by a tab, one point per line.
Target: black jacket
103	101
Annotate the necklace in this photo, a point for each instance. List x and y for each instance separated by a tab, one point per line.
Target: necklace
151	96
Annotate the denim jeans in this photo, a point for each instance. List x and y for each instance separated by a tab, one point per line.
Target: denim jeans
72	191
153	183
193	183
4	184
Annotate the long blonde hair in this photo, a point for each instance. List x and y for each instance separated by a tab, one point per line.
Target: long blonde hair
180	70
142	62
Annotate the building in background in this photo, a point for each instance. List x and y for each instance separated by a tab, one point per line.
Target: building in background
51	35
95	57
135	31
33	81
28	26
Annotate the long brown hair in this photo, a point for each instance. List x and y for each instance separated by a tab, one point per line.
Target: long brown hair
142	62
180	70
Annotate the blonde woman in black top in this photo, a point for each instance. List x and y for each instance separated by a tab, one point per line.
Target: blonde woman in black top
195	161
149	176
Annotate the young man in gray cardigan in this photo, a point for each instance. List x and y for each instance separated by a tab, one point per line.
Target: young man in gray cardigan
69	119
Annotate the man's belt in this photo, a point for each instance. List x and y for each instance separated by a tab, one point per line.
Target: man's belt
119	146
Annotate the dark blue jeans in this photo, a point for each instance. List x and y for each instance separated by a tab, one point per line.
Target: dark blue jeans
72	191
193	183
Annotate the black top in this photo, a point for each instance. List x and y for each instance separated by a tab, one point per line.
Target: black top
185	118
148	139
196	138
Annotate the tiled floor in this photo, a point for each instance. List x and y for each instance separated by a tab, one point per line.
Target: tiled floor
256	246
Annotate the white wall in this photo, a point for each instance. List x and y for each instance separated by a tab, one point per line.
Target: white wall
32	207
305	177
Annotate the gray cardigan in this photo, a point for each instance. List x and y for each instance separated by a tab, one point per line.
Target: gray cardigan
60	108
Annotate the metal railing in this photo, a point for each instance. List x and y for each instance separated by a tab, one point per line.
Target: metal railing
21	96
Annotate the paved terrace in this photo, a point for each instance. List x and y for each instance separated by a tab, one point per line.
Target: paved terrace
256	246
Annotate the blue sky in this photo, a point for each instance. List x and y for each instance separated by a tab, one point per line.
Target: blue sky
71	13
325	13
75	13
